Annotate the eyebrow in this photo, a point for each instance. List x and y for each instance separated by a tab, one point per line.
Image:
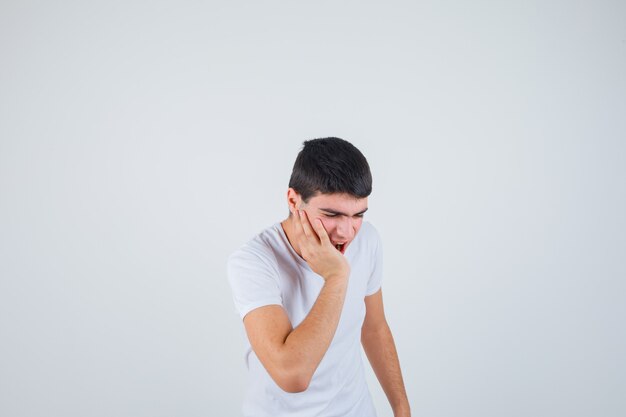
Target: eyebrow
340	213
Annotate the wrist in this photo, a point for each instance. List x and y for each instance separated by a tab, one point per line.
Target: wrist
336	278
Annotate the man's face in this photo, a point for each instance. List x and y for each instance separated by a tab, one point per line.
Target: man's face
341	215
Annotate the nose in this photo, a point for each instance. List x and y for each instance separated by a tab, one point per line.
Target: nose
345	228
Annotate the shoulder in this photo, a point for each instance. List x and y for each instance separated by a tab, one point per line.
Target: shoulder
253	273
369	236
257	252
366	245
369	230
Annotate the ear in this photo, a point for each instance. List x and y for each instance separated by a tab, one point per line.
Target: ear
294	200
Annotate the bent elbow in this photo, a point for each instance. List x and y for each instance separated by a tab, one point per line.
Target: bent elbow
294	384
292	373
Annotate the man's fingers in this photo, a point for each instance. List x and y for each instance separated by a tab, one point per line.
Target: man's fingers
306	226
321	231
297	224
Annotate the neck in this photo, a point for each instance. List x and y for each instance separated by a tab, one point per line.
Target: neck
288	228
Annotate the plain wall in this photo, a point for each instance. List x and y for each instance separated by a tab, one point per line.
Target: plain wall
141	142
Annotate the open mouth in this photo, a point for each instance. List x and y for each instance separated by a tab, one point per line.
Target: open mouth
340	247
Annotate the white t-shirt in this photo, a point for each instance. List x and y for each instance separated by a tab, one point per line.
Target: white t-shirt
268	271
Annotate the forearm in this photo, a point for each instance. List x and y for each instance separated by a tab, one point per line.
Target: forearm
381	352
306	345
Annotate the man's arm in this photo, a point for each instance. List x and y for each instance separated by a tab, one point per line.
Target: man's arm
381	352
289	355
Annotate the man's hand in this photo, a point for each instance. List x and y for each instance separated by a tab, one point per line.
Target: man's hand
317	250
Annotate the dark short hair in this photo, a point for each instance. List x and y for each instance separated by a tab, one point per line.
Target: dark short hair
330	165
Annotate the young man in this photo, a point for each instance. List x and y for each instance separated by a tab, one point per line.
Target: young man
309	293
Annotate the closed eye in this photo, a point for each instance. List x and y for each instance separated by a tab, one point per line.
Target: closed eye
360	216
330	213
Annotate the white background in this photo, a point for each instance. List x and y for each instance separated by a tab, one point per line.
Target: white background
141	142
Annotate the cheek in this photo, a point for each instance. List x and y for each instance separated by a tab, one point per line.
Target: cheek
330	225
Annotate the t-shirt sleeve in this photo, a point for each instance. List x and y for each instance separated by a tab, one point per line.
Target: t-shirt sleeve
253	281
375	281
